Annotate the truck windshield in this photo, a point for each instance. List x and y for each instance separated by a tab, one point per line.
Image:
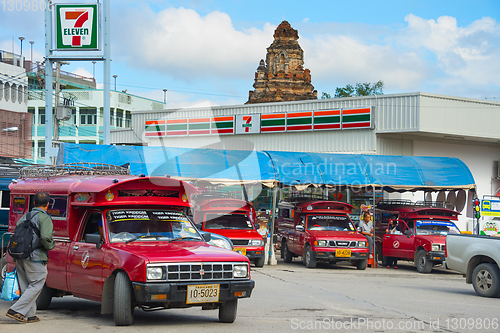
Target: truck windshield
227	221
329	222
431	227
149	225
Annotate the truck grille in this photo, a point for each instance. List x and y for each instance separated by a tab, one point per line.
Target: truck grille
343	243
240	241
185	272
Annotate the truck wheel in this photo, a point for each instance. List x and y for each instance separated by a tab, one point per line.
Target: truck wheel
3	267
423	264
227	311
287	255
486	280
361	264
123	311
259	262
45	297
309	259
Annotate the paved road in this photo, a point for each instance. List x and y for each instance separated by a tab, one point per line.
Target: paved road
290	297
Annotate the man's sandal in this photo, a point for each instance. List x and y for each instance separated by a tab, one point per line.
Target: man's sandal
16	315
33	319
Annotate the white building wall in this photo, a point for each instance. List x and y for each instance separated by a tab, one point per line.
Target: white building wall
481	160
13	88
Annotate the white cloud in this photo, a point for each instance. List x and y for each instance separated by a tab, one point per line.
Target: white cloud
82	72
183	44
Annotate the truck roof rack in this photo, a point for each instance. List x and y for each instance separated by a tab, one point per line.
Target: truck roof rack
387	204
305	197
81	169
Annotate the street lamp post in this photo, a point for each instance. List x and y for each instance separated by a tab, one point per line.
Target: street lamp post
165	96
21	39
93	70
31	57
115	76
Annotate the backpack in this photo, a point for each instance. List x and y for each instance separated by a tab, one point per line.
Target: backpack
21	242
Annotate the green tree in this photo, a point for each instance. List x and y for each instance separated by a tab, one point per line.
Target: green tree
361	89
325	95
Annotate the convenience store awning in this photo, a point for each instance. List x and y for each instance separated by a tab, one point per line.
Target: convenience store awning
229	167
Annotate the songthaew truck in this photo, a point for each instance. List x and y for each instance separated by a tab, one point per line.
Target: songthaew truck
126	242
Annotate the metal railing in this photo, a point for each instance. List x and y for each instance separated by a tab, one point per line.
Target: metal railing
93	169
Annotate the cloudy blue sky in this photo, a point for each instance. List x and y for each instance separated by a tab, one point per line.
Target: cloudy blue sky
206	51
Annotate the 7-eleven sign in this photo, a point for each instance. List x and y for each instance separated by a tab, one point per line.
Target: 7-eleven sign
76	27
248	124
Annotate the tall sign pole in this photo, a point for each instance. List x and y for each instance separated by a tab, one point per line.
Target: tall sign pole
48	87
78	28
107	63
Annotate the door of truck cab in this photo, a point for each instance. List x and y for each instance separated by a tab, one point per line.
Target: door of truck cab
399	245
85	260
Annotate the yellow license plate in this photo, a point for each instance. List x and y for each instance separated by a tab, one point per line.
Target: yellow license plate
203	293
241	250
342	253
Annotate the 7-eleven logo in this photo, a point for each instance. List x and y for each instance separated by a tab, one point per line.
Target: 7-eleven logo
76	26
247	123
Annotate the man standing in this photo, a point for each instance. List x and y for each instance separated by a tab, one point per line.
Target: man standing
32	271
366	227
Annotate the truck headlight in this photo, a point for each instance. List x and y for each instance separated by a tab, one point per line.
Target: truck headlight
436	247
321	243
256	242
240	271
222	243
361	244
155	273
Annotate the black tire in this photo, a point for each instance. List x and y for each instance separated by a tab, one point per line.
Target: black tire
423	264
3	267
286	254
486	280
227	311
259	262
309	259
123	311
45	297
361	264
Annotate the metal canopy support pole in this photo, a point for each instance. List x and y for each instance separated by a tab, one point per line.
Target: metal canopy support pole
48	87
271	256
106	74
374	236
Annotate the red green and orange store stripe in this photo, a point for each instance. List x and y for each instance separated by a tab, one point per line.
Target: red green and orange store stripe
356	118
274	122
199	126
155	128
223	125
299	121
327	120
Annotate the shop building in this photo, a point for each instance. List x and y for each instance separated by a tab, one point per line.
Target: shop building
412	124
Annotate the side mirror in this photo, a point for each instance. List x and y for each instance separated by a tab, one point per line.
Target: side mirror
300	228
93	239
206	236
408	233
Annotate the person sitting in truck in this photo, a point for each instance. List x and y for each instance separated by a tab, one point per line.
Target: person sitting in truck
366	229
393	228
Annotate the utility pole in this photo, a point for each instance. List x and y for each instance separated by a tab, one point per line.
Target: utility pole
58	89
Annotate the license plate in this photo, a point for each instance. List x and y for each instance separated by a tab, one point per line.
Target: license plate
342	253
203	293
241	250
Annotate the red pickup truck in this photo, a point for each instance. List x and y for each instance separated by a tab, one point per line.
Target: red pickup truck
126	242
320	231
234	219
423	233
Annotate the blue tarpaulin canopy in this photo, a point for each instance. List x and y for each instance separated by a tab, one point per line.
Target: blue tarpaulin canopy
223	166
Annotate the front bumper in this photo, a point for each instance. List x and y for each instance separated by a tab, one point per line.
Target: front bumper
255	254
176	293
330	255
436	257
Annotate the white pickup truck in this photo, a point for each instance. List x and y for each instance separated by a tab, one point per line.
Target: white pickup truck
478	258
